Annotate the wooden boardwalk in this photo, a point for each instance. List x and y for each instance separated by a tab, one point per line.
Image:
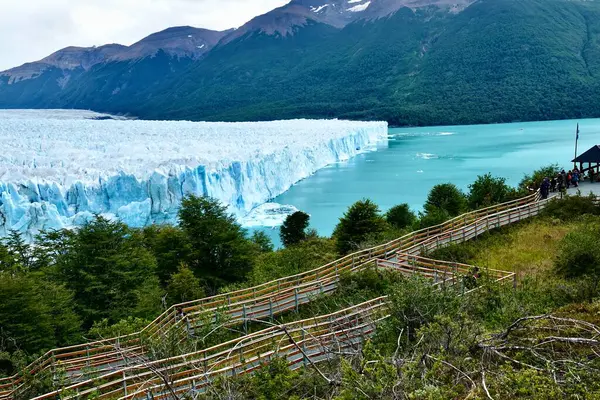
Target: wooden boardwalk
266	300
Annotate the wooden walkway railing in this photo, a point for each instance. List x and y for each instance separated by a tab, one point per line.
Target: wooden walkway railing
273	297
301	343
311	337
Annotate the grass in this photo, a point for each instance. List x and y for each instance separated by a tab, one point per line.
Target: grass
527	248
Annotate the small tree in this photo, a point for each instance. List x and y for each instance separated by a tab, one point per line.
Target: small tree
533	181
400	216
579	258
184	286
264	243
487	191
362	221
220	253
293	230
446	197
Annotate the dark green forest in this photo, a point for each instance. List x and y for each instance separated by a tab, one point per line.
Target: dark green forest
496	61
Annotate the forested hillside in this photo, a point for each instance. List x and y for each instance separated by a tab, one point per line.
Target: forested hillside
494	61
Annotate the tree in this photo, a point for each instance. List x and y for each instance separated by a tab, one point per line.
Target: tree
293	230
263	241
105	264
35	314
578	257
220	253
446	197
400	216
15	253
184	286
533	181
487	191
170	246
362	221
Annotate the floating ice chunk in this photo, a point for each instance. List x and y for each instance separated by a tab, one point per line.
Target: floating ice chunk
426	156
268	214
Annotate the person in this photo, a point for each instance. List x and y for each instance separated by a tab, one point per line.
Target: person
553	183
575	178
561	182
545	188
569	179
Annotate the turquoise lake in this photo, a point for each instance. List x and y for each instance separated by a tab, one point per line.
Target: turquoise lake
404	169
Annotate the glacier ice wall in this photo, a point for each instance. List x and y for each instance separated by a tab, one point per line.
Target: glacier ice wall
57	169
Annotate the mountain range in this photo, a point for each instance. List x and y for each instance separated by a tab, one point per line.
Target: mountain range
410	62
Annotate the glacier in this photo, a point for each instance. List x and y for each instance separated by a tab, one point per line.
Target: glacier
58	168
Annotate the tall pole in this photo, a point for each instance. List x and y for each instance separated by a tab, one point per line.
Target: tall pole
576	142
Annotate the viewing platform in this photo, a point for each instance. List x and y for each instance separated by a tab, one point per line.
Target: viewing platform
585	188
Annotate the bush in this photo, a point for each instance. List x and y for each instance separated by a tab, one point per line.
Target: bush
361	222
571	207
184	286
533	181
487	191
433	217
579	257
293	230
400	216
446	197
220	253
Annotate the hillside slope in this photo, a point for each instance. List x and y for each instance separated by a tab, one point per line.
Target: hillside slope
409	62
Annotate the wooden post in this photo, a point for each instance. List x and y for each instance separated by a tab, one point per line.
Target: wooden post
305	360
296	298
124	383
245	320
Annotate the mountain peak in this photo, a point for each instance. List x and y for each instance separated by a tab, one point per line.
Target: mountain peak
336	13
179	41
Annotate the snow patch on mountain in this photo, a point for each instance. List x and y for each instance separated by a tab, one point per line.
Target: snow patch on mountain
359	7
58	168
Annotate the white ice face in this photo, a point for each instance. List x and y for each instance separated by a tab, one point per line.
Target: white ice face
59	167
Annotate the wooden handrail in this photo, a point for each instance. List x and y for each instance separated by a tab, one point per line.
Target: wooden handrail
169	319
244	355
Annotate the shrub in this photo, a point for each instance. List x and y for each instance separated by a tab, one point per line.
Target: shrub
433	217
400	216
487	191
446	197
184	286
361	222
220	253
263	241
533	181
571	207
579	258
293	230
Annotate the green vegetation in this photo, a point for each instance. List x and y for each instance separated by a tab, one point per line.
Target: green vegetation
106	279
578	256
401	217
362	221
437	345
293	230
496	61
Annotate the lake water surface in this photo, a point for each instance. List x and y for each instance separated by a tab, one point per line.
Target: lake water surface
413	160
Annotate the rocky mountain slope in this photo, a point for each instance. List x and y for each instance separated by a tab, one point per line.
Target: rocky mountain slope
406	61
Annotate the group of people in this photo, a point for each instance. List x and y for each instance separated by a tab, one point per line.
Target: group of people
563	180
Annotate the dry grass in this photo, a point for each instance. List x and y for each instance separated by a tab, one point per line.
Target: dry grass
528	249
